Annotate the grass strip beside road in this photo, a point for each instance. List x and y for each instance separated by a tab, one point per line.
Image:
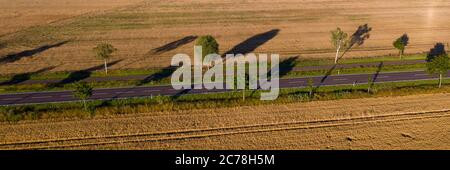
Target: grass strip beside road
71	110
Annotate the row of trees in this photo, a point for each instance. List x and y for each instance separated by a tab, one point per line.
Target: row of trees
340	40
437	58
104	51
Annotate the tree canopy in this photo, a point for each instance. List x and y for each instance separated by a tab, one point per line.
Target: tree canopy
209	45
104	50
438	61
401	43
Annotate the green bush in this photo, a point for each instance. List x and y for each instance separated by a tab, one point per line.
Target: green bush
209	45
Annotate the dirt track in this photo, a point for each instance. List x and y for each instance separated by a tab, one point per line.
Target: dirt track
398	118
98	141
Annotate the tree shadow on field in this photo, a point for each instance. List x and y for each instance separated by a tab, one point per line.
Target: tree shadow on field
81	74
287	65
158	76
19	78
27	53
358	38
173	45
250	44
439	49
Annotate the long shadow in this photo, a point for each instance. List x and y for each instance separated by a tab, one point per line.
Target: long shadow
250	44
27	53
173	45
81	74
19	78
158	76
358	38
181	93
287	66
437	50
375	76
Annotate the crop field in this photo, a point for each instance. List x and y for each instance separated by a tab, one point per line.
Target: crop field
55	91
408	122
61	34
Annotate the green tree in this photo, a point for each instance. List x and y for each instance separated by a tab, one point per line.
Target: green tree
104	51
209	45
438	61
83	91
339	39
401	43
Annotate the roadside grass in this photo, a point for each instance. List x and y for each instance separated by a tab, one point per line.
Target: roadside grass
71	110
166	81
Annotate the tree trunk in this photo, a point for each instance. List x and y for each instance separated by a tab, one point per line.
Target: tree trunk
106	67
440	80
337	53
401	54
243	94
85	106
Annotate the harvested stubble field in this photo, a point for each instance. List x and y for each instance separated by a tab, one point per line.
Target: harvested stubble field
148	32
377	123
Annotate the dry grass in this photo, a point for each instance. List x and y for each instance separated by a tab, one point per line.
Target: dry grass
370	135
304	29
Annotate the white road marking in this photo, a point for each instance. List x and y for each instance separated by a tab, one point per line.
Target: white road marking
41	97
382	77
127	92
295	82
151	91
340	79
11	98
66	95
420	74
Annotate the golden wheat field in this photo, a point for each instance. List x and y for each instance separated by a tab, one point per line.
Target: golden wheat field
62	33
408	122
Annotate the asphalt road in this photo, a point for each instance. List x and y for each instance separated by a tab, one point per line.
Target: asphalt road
114	93
142	77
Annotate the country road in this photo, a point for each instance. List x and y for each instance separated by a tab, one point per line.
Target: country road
131	92
143	77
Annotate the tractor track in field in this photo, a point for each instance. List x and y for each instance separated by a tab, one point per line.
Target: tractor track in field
222	131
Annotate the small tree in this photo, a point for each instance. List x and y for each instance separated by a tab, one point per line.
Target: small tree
438	61
339	39
209	45
83	91
401	44
104	51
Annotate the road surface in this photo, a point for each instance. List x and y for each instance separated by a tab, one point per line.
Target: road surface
131	92
143	77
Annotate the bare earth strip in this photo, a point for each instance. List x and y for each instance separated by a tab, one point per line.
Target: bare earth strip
377	123
148	34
